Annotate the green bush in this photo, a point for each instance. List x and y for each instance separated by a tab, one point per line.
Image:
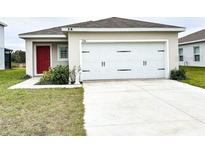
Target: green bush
25	77
46	78
178	74
58	75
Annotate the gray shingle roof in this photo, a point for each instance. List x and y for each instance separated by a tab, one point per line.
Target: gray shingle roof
3	24
200	35
113	22
50	31
6	49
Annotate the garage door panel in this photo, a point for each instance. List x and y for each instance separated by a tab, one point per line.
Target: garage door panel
123	60
123	63
89	56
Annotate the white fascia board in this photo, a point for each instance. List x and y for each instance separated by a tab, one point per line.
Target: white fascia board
48	40
126	41
195	41
123	29
41	36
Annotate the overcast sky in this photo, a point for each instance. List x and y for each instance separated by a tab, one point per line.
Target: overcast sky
21	25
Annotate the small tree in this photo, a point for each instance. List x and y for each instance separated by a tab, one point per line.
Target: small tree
18	56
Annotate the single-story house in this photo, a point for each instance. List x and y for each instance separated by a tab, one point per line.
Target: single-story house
5	53
192	49
112	48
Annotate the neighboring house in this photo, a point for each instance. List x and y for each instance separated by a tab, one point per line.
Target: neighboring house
5	54
192	49
2	53
113	48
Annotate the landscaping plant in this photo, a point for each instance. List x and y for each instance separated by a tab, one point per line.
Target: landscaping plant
58	75
73	74
179	74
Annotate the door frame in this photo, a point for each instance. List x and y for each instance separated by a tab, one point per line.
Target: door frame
35	56
166	41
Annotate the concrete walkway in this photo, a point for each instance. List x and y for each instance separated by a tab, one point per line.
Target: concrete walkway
150	107
31	84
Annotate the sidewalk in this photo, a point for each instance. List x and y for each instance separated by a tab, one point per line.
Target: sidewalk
31	84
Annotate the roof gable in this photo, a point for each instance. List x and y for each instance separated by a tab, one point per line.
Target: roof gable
113	22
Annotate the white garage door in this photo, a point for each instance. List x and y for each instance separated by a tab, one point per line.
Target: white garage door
123	60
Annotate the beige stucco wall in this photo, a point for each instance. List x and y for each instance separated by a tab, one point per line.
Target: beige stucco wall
74	39
74	43
30	58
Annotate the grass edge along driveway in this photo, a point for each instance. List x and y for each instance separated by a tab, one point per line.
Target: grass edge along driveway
195	76
42	112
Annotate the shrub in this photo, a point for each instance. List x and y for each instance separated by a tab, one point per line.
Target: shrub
25	77
46	78
178	74
58	75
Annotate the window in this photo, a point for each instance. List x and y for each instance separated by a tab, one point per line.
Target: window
181	57
62	52
196	53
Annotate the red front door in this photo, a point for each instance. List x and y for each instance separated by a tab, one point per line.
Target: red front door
43	58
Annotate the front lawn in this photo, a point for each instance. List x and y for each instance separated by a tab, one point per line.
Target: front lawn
39	112
195	76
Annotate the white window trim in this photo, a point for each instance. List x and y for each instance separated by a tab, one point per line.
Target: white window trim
181	54
182	50
58	52
197	54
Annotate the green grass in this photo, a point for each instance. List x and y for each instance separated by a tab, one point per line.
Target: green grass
39	112
195	76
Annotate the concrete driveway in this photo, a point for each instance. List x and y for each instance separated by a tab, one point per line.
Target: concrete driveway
148	107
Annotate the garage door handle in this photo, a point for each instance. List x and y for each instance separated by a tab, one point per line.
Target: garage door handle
103	64
144	63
